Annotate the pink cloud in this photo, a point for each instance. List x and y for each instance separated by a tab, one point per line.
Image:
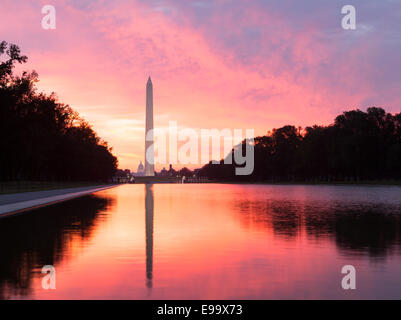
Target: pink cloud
99	57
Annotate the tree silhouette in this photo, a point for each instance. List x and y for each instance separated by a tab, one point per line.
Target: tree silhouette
357	146
41	138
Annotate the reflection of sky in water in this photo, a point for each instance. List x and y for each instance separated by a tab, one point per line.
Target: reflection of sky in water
208	241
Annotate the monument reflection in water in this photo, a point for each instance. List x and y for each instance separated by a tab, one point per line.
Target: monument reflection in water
149	203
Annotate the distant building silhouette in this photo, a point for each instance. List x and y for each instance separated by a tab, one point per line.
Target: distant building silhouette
164	172
168	173
140	171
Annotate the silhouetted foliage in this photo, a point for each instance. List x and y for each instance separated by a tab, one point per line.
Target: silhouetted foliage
185	172
41	138
357	146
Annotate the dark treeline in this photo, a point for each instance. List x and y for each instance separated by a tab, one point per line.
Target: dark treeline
358	146
41	138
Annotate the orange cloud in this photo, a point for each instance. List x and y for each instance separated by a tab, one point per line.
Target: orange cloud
245	68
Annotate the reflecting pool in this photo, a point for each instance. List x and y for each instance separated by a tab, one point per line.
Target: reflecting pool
208	241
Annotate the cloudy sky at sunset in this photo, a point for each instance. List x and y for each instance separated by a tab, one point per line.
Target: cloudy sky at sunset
214	64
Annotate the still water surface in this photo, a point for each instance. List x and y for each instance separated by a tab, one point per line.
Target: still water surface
208	241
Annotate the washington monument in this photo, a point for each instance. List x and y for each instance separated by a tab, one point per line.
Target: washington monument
149	146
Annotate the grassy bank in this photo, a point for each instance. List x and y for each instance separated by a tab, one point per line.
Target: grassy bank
30	186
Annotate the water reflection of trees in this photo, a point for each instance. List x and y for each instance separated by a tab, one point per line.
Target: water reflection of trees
42	237
373	229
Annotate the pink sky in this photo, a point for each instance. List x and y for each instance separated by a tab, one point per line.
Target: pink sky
214	64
